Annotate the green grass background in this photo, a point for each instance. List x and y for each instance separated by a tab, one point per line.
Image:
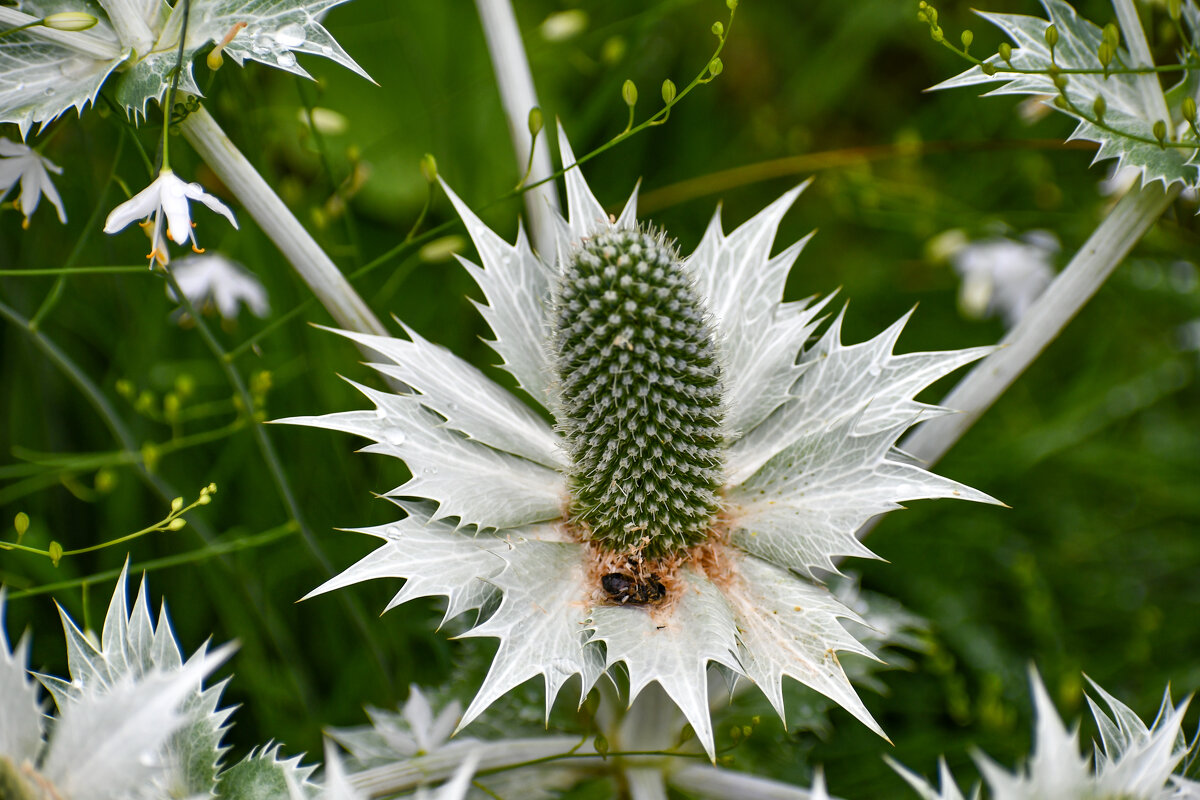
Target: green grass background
1096	448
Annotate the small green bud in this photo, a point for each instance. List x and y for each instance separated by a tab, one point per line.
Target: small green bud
601	744
1112	35
21	523
1051	36
936	34
1160	131
177	524
716	67
56	553
1174	8
1188	107
967	38
1099	107
71	21
1061	102
931	14
1006	52
176	504
105	481
718	29
629	93
125	387
535	122
987	69
731	4
1105	53
1060	81
668	91
429	168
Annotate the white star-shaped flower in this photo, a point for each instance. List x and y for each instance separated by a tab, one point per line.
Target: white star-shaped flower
211	279
19	162
167	197
711	454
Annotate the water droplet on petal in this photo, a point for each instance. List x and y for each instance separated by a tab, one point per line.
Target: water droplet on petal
429	471
291	35
285	58
381	412
875	370
395	437
392	531
326	50
50	90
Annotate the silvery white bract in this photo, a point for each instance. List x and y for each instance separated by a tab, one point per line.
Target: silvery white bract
44	72
1131	761
133	721
808	451
1128	109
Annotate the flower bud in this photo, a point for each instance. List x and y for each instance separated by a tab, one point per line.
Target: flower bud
731	4
56	553
987	69
70	21
1112	35
176	524
715	67
718	29
535	122
429	168
1005	50
967	38
21	523
1174	7
1188	107
1051	36
629	93
668	91
176	504
1060	81
1105	54
1160	131
936	34
1099	107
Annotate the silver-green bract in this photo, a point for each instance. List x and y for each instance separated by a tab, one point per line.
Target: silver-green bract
44	73
639	395
809	429
1132	761
1128	111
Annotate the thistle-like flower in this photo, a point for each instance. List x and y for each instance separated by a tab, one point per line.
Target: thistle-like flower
706	458
1131	761
21	163
167	197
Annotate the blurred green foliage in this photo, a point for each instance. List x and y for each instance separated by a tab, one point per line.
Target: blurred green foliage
1097	448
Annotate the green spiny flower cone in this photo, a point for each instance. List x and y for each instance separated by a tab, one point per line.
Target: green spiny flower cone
640	395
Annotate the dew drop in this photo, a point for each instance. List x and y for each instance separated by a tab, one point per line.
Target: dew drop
50	90
429	471
381	412
874	371
285	58
395	437
392	531
291	35
326	50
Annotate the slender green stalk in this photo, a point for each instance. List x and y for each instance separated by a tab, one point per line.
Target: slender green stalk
519	97
1104	250
269	211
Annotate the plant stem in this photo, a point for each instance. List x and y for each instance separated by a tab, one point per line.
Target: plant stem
518	96
703	780
1104	250
305	255
1155	103
85	42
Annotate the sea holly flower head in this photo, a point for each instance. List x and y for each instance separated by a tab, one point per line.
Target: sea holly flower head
710	454
1132	761
133	720
1114	108
21	163
45	71
166	198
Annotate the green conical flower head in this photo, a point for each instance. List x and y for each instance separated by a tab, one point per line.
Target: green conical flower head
640	395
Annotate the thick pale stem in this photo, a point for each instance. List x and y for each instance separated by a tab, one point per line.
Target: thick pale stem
305	255
84	42
702	780
1091	266
518	96
406	775
1155	103
130	25
646	783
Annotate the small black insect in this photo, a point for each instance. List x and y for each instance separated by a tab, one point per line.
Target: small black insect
628	590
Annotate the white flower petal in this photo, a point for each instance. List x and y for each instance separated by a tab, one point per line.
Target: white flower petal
673	647
517	287
173	199
472	403
195	191
140	206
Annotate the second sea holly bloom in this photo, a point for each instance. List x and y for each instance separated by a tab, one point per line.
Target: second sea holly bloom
709	453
